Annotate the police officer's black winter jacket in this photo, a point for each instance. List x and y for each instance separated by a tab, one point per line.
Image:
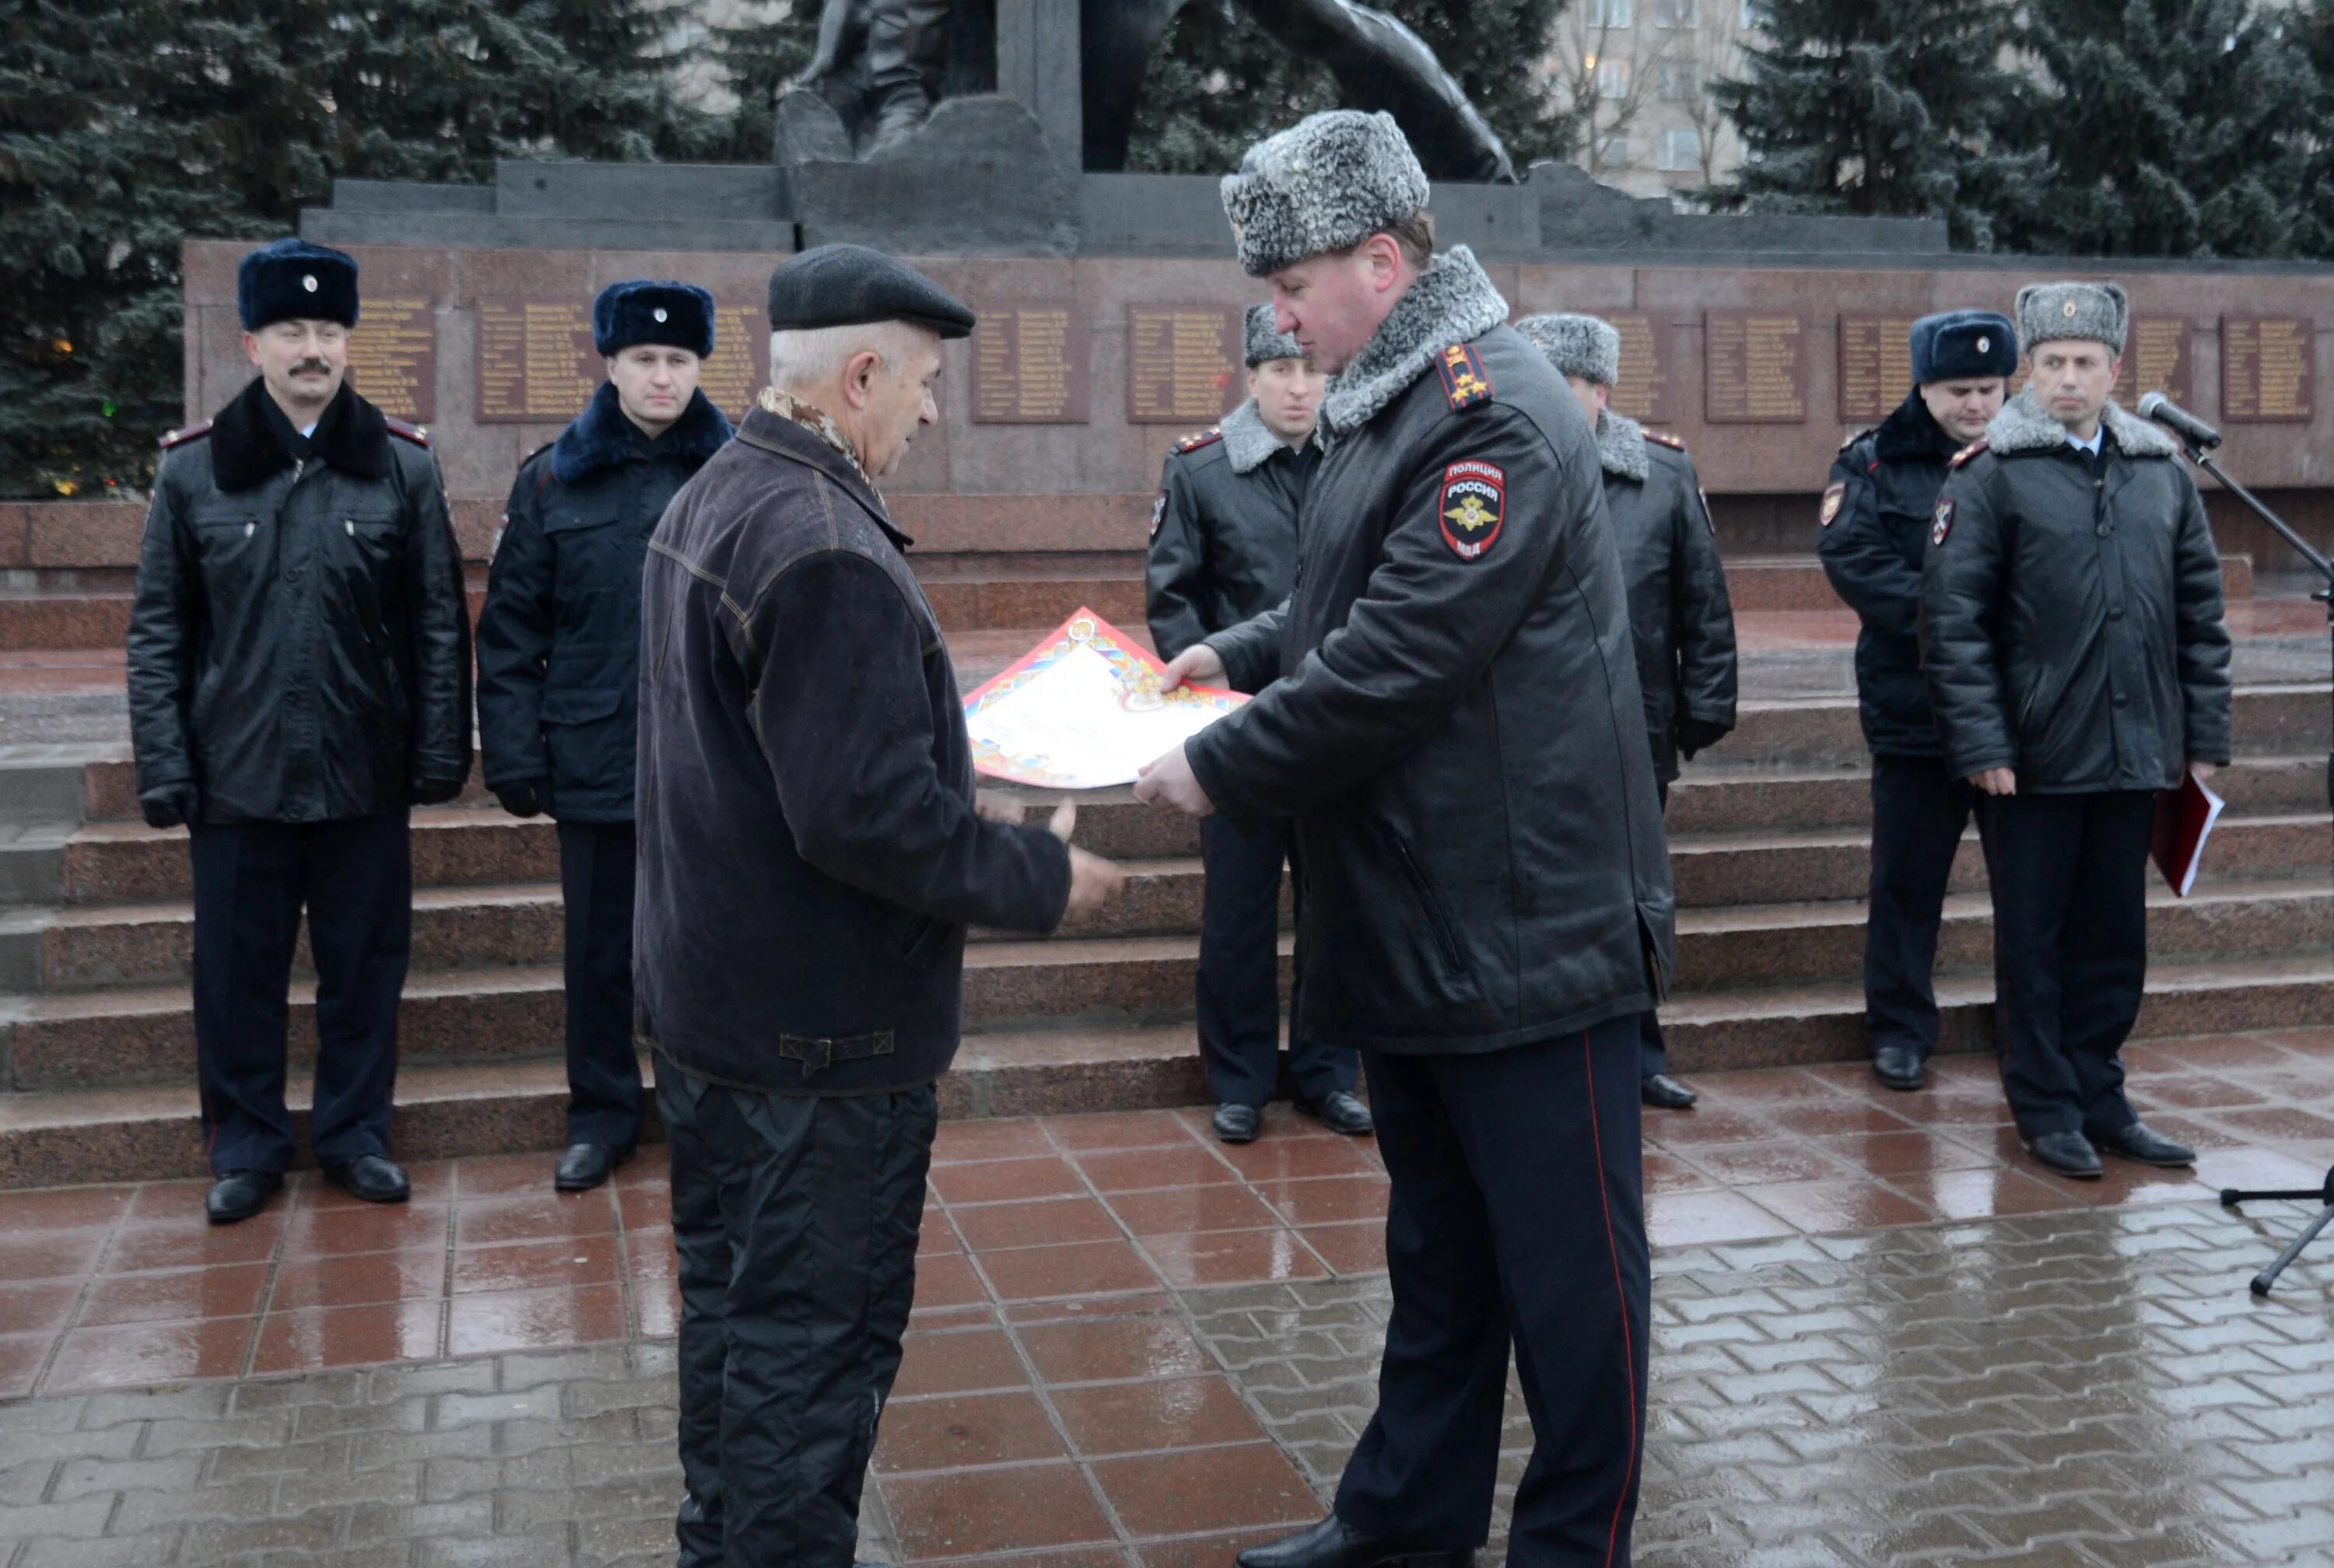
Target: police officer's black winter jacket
2070	619
1457	729
300	643
1223	531
559	639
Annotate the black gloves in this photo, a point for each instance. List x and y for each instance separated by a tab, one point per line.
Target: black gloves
522	797
1700	734
436	792
168	806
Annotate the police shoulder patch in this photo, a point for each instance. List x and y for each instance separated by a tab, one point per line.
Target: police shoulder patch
1474	507
181	437
1833	496
1943	524
1465	382
1663	438
1158	513
1199	438
1966	453
417	434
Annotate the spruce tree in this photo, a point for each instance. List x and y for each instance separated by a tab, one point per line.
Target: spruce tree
756	56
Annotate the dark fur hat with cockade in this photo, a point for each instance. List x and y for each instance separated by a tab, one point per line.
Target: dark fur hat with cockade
641	311
294	281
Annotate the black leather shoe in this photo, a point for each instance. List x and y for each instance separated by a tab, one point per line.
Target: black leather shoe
2068	1153
1339	1112
1661	1089
585	1165
2137	1143
1237	1123
371	1178
1899	1067
1334	1544
239	1195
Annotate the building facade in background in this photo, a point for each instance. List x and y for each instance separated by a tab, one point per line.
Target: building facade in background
1639	74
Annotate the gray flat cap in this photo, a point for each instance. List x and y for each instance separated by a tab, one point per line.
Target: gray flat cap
841	286
1264	343
2097	312
1581	346
1326	183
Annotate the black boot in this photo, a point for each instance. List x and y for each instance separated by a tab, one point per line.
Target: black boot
239	1194
1334	1544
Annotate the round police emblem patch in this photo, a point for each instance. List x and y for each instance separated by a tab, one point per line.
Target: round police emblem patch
1943	523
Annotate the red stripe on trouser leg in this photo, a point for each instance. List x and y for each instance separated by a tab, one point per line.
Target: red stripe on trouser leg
1628	1348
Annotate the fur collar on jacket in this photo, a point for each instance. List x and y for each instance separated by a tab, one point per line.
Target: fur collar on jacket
2023	426
1621	446
1452	302
1911	431
247	451
601	437
1248	441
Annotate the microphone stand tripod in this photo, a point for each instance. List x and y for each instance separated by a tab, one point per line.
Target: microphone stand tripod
2201	454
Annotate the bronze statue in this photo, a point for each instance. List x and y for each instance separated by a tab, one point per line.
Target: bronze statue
883	64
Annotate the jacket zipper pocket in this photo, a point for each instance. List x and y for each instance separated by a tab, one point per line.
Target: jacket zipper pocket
1415	875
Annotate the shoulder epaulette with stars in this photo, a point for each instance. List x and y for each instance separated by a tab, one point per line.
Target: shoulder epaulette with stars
416	434
1199	438
1663	438
1465	382
181	437
1966	453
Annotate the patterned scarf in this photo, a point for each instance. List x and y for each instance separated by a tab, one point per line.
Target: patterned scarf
786	406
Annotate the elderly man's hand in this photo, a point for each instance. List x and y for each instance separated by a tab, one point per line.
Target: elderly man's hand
1169	782
1996	781
1195	663
1094	882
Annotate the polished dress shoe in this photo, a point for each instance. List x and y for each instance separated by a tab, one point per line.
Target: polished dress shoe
1661	1089
1339	1112
369	1176
1899	1067
585	1165
239	1195
2137	1143
2068	1153
1237	1123
1334	1544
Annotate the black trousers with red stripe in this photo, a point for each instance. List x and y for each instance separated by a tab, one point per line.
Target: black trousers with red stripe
1517	1219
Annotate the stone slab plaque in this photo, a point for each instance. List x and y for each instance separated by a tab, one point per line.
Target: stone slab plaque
535	363
393	359
1754	367
737	369
2269	369
1643	392
1876	366
1029	365
2156	359
1183	363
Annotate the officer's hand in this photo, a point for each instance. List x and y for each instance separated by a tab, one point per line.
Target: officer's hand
992	807
170	806
1196	663
1700	734
436	792
1996	781
523	798
2202	771
1093	882
1169	782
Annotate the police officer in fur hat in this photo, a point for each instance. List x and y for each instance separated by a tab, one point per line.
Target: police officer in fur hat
1679	613
1458	733
1872	528
299	680
2077	662
559	647
1223	548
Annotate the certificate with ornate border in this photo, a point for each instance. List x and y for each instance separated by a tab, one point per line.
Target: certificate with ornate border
1082	710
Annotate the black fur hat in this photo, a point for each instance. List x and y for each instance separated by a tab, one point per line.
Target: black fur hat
642	311
294	281
1963	346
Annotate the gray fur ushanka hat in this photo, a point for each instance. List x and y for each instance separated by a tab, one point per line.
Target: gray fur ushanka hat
1263	343
1581	346
2097	313
1326	183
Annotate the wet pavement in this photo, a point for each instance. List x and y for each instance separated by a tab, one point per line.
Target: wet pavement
1881	1336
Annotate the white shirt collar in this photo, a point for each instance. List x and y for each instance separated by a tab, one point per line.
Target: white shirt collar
2091	446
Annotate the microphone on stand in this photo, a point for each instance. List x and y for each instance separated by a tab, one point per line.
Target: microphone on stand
2156	406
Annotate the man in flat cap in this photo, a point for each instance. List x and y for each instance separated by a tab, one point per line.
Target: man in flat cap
1457	731
1223	548
1680	616
559	668
810	856
299	681
2072	637
1871	531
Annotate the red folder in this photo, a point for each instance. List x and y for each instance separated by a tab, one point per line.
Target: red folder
2184	821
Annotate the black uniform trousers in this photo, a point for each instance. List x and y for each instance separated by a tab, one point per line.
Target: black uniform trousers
2069	875
796	1219
1653	1051
604	1075
355	878
1517	1216
1919	811
1240	975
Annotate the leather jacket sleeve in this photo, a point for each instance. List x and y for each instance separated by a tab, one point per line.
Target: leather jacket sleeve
1705	615
1865	570
1252	651
514	644
438	601
161	653
1176	576
1424	632
1960	593
832	656
2203	630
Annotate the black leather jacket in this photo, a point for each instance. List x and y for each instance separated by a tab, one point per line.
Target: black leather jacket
1223	531
1457	729
559	639
300	643
1871	533
809	854
1679	614
2071	625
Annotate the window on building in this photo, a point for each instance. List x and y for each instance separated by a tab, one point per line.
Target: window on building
1677	12
1678	81
1680	148
1611	12
1614	153
1612	78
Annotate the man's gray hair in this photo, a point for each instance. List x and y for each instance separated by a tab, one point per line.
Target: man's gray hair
810	356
